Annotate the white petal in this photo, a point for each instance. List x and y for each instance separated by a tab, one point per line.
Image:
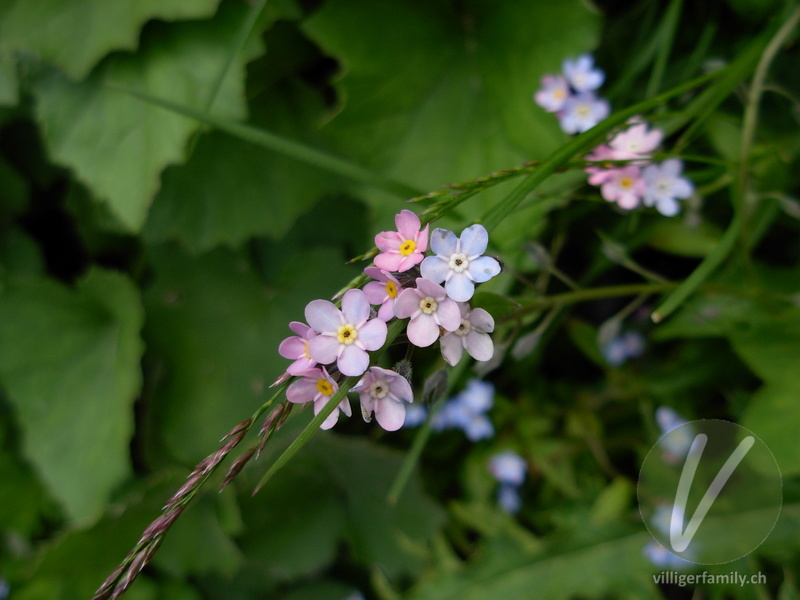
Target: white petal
474	240
434	269
390	414
479	345
452	348
483	269
443	242
480	319
460	287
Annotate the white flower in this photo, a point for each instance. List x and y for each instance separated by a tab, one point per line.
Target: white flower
472	335
663	185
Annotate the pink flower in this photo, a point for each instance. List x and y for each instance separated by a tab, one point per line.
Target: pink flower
384	392
459	261
553	93
635	141
402	249
625	187
472	335
345	335
383	291
296	348
429	308
317	386
598	174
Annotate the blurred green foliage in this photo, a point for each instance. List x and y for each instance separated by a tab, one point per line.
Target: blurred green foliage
150	263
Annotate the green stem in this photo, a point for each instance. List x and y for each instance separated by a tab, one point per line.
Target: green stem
666	36
287	147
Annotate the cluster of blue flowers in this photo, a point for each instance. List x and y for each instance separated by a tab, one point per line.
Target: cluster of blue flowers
571	95
509	469
623	347
465	411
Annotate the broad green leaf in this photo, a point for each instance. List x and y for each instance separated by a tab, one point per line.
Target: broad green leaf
75	35
116	144
675	237
70	362
772	414
770	346
230	190
433	95
213	331
9	88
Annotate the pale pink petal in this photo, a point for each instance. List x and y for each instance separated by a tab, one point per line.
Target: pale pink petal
345	407
426	287
388	261
479	345
375	273
302	390
375	291
423	331
474	240
422	239
482	320
399	386
452	348
354	361
409	261
300	329
292	348
434	269
460	287
330	420
372	335
390	414
300	365
388	240
443	242
323	316
367	406
448	314
628	201
355	307
671	167
406	303
408	224
324	349
483	269
386	311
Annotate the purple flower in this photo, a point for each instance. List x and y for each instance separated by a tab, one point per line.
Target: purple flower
664	184
508	499
553	93
661	557
345	335
385	393
582	75
459	261
296	348
583	111
478	427
429	308
317	386
477	397
382	292
472	335
402	249
624	186
508	468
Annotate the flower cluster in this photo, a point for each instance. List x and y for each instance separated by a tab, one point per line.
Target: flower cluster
432	292
571	95
508	468
623	347
637	182
467	411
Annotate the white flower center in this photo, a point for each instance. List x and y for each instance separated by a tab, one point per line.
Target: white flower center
428	305
583	110
464	328
379	389
459	262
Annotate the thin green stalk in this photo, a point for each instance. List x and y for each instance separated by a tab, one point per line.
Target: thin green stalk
313	426
666	37
287	147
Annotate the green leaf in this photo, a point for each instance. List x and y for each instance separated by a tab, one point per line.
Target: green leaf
772	414
770	345
9	89
118	145
434	95
70	362
213	331
75	35
676	237
230	190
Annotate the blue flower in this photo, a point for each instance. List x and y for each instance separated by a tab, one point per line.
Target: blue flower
508	468
509	499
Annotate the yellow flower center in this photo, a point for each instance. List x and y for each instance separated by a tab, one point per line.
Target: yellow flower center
324	387
625	183
347	334
428	305
407	248
559	94
391	289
